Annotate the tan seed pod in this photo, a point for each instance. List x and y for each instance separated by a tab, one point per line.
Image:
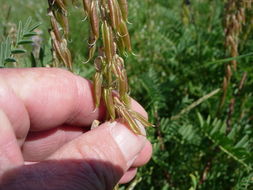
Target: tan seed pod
94	19
116	67
228	72
123	31
63	21
98	63
92	51
120	44
112	13
62	6
66	54
56	46
107	41
124	9
55	28
97	81
123	84
87	6
108	97
118	15
144	121
225	84
124	113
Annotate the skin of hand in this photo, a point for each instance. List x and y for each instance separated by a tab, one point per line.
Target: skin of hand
45	137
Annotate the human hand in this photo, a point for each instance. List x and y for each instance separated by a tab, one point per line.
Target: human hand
45	140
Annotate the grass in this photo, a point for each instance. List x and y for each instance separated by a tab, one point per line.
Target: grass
180	59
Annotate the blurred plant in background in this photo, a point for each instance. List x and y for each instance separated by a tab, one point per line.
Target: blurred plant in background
182	57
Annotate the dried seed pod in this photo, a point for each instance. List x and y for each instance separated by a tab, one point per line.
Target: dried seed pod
228	72
124	113
117	12
143	120
92	51
66	54
123	84
117	67
61	4
56	46
94	124
63	21
87	6
123	31
107	41
94	19
92	47
112	13
55	27
225	84
98	63
97	81
108	97
120	44
124	9
68	58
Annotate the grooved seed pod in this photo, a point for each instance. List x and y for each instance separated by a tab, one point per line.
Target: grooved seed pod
87	5
140	118
97	81
107	41
55	28
123	85
124	9
94	20
118	15
61	4
58	16
56	45
98	63
66	54
123	31
112	13
108	97
124	113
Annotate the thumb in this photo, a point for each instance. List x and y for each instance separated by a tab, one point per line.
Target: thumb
109	150
95	160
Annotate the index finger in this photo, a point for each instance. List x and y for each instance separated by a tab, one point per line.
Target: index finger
52	97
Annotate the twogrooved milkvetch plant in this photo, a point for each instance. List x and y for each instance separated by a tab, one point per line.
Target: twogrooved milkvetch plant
109	39
108	20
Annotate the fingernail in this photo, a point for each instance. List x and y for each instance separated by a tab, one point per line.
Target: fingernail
129	143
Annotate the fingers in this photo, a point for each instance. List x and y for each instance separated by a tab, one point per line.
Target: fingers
53	97
10	155
49	97
144	156
128	176
111	143
15	110
39	145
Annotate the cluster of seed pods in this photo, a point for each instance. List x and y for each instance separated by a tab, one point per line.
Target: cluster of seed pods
109	37
58	17
234	20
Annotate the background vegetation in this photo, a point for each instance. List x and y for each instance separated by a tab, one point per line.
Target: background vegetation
181	59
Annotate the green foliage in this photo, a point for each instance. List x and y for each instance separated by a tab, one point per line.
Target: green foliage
9	50
181	58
